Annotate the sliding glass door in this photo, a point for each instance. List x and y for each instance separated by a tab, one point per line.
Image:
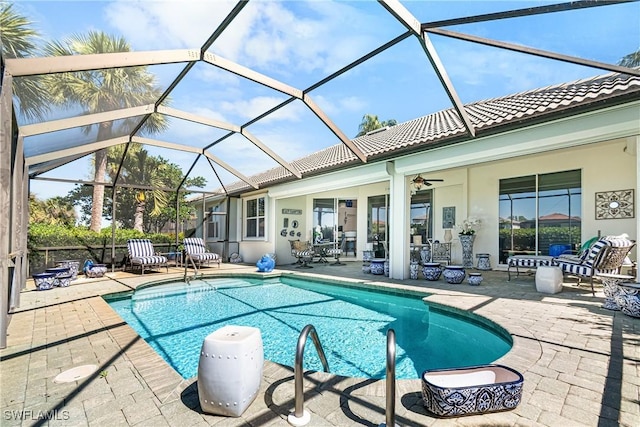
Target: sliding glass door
377	224
324	220
540	214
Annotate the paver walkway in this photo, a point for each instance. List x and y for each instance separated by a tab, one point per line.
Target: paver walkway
580	362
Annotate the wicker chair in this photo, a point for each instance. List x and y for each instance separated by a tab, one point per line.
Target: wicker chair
606	256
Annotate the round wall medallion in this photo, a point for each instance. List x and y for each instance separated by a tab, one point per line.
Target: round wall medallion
294	223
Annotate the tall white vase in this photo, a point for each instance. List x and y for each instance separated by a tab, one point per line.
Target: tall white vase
447	235
466	240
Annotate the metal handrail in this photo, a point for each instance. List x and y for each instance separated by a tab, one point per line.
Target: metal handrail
391	378
186	257
297	368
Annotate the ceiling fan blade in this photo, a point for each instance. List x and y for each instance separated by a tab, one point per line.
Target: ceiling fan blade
435	180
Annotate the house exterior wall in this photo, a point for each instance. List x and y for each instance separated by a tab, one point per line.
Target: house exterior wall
602	144
605	167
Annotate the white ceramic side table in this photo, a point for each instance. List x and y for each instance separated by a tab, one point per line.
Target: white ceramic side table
548	279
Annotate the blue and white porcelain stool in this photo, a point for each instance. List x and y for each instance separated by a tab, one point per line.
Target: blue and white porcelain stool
628	299
483	262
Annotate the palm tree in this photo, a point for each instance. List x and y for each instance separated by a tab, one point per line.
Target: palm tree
371	122
631	60
53	211
18	41
103	90
140	168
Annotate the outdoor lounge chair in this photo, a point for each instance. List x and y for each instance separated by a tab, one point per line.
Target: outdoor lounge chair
142	254
606	256
197	251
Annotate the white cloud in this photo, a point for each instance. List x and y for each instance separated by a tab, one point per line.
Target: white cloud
166	24
342	104
480	73
278	36
255	106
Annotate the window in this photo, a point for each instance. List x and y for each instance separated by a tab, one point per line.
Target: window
540	214
254	210
216	226
324	219
377	222
421	218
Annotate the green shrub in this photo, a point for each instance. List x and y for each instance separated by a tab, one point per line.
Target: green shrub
80	244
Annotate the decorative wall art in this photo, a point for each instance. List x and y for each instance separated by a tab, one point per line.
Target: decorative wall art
614	204
448	217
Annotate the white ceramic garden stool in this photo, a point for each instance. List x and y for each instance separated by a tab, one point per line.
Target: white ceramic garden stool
548	279
230	370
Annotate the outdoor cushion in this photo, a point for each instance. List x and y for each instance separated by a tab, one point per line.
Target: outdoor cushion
196	249
142	254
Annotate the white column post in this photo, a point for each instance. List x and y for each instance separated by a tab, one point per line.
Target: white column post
635	141
399	220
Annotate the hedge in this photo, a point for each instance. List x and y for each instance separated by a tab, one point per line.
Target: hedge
95	246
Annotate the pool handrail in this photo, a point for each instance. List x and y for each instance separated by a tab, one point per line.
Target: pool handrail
298	417
390	413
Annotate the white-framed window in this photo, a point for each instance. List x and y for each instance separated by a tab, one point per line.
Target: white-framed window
255	218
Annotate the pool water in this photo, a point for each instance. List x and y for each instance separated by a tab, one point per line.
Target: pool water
352	325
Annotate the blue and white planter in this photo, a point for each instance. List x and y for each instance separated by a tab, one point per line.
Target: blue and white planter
413	270
474	279
44	281
474	390
74	267
431	271
62	275
454	274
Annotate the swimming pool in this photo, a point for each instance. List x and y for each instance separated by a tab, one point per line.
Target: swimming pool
351	322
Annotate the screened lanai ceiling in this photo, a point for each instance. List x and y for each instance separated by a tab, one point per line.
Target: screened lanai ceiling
237	88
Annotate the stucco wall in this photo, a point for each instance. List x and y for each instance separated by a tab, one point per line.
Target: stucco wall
605	167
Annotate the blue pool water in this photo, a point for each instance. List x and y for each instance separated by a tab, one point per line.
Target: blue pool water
352	325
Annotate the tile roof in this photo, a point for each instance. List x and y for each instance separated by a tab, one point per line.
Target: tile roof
445	127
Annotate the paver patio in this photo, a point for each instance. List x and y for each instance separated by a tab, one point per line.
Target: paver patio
580	362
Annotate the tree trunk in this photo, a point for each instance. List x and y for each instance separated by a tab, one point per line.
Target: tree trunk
138	217
98	191
100	174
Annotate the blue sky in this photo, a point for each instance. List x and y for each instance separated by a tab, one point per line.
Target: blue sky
300	43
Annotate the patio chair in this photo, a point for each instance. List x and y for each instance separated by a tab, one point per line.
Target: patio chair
336	252
606	256
302	251
197	251
142	254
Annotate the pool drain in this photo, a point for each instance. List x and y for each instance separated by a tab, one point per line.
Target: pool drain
75	374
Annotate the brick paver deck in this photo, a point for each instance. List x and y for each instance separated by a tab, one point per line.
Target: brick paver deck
580	362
